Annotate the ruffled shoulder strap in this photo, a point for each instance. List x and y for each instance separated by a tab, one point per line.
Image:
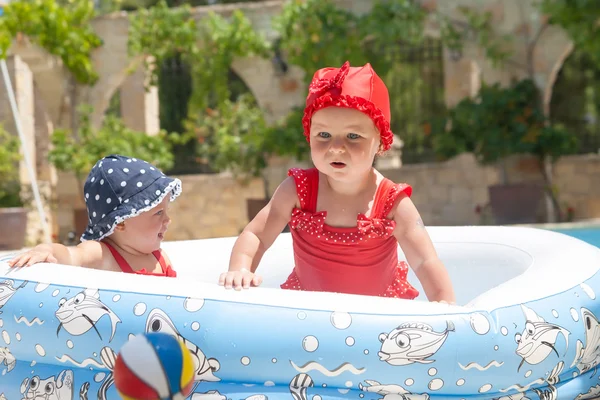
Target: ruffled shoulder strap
388	193
307	187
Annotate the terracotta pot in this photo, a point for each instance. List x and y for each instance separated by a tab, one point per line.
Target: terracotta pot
13	228
516	203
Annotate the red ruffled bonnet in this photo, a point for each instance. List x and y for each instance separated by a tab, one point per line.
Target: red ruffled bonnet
359	88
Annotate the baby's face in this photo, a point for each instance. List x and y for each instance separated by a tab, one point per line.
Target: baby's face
146	231
343	142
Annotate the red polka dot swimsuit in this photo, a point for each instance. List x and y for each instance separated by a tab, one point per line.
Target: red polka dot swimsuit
357	260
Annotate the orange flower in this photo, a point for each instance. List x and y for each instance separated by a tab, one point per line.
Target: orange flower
427	129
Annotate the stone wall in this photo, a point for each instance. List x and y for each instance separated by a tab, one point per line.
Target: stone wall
450	193
440	199
211	206
446	193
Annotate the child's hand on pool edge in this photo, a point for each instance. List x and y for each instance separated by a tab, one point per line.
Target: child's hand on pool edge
241	279
36	255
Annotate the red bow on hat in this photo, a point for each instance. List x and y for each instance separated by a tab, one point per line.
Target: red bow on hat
334	85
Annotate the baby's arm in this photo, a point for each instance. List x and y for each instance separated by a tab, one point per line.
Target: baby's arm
258	236
420	252
88	254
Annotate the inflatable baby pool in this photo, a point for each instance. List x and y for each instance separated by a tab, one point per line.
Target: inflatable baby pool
526	327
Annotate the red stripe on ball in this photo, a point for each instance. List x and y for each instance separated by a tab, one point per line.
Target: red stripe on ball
127	383
187	389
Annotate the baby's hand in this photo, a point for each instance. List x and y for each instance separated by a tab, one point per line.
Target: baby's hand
32	257
239	279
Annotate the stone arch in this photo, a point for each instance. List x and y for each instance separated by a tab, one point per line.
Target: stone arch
46	68
548	90
551	50
276	93
112	63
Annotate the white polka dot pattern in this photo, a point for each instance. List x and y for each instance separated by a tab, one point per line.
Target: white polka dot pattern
313	224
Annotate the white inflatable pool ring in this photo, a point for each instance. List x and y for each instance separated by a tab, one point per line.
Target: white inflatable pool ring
526	327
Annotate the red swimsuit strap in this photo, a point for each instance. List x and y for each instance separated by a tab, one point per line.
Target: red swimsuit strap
312	188
381	195
125	267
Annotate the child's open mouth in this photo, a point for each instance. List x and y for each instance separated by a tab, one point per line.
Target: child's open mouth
337	164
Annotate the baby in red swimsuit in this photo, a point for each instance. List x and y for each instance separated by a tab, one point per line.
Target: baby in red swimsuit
346	219
127	201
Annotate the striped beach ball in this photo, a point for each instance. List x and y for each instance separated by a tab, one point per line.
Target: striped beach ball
154	366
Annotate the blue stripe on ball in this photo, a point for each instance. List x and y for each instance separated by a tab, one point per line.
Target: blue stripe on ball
171	359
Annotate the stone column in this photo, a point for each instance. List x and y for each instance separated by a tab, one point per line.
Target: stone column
22	84
140	107
462	78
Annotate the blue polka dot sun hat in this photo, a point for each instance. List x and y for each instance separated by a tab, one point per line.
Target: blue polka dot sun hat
120	187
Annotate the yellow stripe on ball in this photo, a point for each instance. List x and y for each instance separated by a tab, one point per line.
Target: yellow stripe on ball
126	397
187	370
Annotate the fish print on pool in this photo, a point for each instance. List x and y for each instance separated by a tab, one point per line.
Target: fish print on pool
81	313
60	343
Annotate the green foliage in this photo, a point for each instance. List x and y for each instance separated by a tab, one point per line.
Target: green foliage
576	99
130	5
500	122
208	46
286	138
78	154
62	29
312	34
10	186
580	19
162	32
316	33
233	137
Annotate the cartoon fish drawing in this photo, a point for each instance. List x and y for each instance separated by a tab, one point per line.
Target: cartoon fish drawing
554	375
413	342
108	358
550	392
52	388
593	393
7	358
547	393
516	396
299	385
7	290
83	391
587	357
210	395
81	313
257	397
158	321
538	339
391	392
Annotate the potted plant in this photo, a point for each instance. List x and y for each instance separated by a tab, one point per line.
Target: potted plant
236	138
78	153
13	215
497	123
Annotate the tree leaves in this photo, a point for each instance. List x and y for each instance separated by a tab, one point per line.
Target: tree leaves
62	29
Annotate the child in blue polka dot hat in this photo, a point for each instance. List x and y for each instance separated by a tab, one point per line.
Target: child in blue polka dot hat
127	201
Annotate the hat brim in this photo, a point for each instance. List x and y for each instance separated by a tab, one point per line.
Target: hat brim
137	204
